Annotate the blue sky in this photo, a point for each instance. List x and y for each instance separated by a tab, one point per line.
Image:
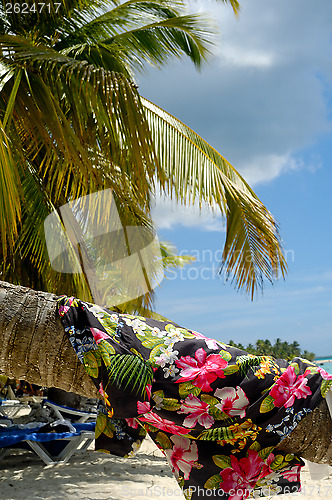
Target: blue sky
264	102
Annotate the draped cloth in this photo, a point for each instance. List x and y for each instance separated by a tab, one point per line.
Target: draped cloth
215	411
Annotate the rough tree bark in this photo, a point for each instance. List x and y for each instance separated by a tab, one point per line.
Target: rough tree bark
33	344
34	347
312	438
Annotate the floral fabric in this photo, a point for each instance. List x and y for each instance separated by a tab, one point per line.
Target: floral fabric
216	412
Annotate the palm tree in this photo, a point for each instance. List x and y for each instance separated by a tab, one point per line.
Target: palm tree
34	346
72	122
279	350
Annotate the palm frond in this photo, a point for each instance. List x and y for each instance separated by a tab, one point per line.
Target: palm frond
170	257
246	362
235	4
218	433
158	42
130	371
197	172
71	125
10	194
138	32
69	104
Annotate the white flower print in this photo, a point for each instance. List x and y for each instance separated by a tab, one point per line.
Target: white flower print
156	332
173	337
137	325
167	356
159	402
233	401
134	449
170	371
128	321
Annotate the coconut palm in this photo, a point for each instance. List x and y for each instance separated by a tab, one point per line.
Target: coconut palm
73	122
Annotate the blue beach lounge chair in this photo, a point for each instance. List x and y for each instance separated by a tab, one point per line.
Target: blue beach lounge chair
51	446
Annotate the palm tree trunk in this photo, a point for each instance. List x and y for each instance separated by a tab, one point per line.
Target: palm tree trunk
34	347
312	438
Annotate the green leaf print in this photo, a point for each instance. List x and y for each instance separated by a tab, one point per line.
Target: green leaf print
325	387
222	461
180	331
218	414
296	368
108	324
210	400
128	370
225	355
103	426
134	351
163	440
171	404
132	316
278	462
148	340
213	482
91	362
267	404
156	352
106	350
229	370
186	388
265	452
247	361
255	446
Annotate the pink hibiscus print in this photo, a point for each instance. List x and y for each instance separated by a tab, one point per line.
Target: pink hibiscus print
201	370
233	401
162	423
244	474
132	422
182	456
288	387
143	407
324	374
64	309
101	390
148	390
98	335
198	412
292	474
211	343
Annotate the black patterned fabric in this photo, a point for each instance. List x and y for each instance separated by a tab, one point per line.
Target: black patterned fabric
216	412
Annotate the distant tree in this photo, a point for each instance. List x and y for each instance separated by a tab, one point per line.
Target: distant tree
279	350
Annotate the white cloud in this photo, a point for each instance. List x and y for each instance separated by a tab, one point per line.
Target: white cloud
250	58
268	167
167	213
264	97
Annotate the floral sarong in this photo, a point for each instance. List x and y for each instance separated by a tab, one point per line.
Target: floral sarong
215	411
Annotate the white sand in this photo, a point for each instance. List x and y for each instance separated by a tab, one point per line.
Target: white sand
95	476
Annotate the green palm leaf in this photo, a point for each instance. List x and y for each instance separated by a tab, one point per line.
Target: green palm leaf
217	434
130	371
197	172
10	194
246	362
73	123
135	32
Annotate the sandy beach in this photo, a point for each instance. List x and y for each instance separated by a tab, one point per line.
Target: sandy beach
96	476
